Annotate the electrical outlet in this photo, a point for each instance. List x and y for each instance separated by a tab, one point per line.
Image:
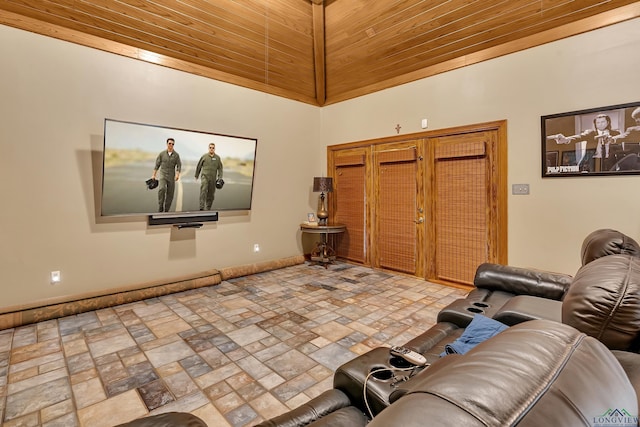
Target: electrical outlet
520	189
55	277
256	247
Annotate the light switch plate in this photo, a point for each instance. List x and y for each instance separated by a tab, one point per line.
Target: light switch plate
522	189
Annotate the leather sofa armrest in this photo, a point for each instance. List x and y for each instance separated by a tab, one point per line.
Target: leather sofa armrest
522	281
408	386
329	402
170	419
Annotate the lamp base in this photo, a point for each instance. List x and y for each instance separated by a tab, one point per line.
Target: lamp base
322	218
322	213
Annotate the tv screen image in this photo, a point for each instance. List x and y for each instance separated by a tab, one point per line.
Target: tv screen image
129	158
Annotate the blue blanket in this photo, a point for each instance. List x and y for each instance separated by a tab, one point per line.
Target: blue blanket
481	328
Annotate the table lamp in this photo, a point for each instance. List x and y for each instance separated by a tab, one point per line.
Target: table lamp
322	185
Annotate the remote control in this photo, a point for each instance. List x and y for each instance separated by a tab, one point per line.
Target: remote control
409	355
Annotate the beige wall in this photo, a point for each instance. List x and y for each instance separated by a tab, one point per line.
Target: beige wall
546	228
55	96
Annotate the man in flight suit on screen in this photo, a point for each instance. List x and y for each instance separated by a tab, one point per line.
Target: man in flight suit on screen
210	165
169	164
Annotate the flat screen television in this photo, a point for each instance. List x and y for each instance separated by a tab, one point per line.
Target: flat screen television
129	159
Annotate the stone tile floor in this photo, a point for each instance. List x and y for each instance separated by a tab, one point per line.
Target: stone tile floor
234	354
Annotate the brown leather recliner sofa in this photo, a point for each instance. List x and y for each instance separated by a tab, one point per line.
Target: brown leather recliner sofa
570	359
537	373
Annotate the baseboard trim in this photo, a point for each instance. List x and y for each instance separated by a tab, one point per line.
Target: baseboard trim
12	317
247	269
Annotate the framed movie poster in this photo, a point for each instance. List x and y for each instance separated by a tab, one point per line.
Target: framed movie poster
599	141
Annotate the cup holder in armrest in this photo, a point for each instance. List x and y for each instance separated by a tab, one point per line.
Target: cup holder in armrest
399	362
461	311
477	307
381	374
481	304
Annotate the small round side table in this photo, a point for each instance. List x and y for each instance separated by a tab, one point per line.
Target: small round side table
324	253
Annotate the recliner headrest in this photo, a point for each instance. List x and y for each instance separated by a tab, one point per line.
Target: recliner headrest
605	242
604	301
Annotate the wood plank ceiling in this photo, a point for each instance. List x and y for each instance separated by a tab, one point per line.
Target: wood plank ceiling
314	51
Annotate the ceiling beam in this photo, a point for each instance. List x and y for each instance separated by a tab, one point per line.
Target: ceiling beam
317	8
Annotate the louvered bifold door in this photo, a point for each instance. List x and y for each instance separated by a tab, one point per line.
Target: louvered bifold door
350	205
395	213
461	213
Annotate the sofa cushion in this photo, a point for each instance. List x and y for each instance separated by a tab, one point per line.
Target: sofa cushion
521	308
605	242
604	301
537	373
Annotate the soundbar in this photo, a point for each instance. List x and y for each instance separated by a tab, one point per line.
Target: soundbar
183	219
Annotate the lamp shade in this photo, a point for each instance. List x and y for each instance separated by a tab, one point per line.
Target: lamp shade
322	184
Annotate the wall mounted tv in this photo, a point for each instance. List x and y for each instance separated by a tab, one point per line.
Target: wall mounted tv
130	156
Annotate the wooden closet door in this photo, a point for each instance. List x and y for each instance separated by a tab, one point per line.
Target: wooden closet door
461	206
349	203
397	207
433	204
